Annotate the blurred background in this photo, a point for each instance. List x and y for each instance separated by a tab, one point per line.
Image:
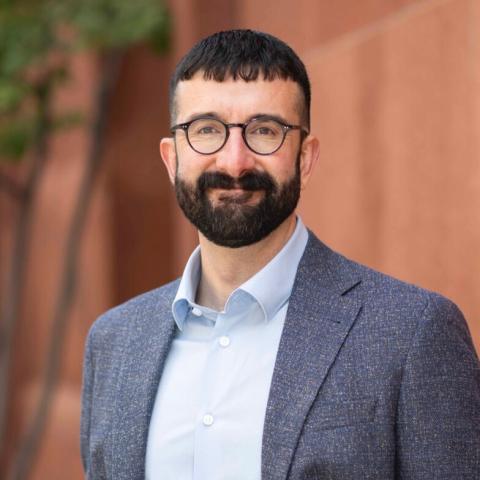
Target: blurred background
89	219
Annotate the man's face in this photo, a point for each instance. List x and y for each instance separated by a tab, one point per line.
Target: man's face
236	197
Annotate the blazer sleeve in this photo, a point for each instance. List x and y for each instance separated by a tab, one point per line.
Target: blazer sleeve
438	418
87	397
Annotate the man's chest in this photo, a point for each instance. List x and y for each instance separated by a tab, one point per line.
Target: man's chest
210	406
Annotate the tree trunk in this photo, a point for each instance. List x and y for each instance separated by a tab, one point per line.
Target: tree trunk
16	279
27	452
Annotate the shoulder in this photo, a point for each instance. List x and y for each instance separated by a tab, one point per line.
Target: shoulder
388	299
120	321
397	324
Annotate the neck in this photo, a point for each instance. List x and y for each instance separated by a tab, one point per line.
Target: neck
225	269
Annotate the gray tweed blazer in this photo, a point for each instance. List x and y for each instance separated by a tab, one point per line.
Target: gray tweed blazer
374	379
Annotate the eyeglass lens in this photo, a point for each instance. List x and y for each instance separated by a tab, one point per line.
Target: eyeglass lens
207	135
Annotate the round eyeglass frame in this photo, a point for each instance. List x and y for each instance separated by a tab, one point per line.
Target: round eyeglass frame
284	126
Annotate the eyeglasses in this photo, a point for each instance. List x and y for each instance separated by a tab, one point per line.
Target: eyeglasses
262	135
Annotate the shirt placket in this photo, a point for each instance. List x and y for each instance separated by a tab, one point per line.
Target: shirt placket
209	440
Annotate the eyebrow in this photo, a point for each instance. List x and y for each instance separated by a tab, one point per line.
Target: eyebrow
271	116
195	116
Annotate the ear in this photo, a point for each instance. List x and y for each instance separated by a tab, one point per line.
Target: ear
308	158
169	156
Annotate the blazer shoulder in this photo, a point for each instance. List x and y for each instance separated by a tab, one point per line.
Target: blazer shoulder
410	316
120	320
378	290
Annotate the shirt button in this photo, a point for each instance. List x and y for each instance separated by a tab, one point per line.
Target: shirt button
207	420
196	311
224	341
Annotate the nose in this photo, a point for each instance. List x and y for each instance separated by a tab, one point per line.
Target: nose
235	158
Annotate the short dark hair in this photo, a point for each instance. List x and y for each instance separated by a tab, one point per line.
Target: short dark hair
243	54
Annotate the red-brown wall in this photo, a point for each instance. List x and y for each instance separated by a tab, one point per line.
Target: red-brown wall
396	105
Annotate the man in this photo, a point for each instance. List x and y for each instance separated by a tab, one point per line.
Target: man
272	357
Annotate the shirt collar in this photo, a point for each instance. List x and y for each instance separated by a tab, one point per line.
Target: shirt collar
187	289
270	287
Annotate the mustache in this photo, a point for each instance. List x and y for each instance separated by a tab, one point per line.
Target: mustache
249	181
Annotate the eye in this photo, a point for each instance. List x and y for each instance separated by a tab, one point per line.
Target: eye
266	129
206	130
206	127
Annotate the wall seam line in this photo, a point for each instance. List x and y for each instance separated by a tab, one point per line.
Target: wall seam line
362	34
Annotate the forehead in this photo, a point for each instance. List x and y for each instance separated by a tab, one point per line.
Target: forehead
237	100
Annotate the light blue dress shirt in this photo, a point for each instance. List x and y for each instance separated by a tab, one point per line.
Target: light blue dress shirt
208	416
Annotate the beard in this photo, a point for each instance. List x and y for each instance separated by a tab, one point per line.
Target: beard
231	222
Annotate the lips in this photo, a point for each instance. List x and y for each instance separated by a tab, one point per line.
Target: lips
251	181
235	195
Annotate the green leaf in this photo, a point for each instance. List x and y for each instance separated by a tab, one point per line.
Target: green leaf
113	24
159	38
15	139
11	96
26	39
37	39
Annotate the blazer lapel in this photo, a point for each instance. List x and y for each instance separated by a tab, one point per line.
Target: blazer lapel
317	323
151	334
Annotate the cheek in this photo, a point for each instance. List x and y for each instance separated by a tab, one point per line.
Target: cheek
190	165
283	167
